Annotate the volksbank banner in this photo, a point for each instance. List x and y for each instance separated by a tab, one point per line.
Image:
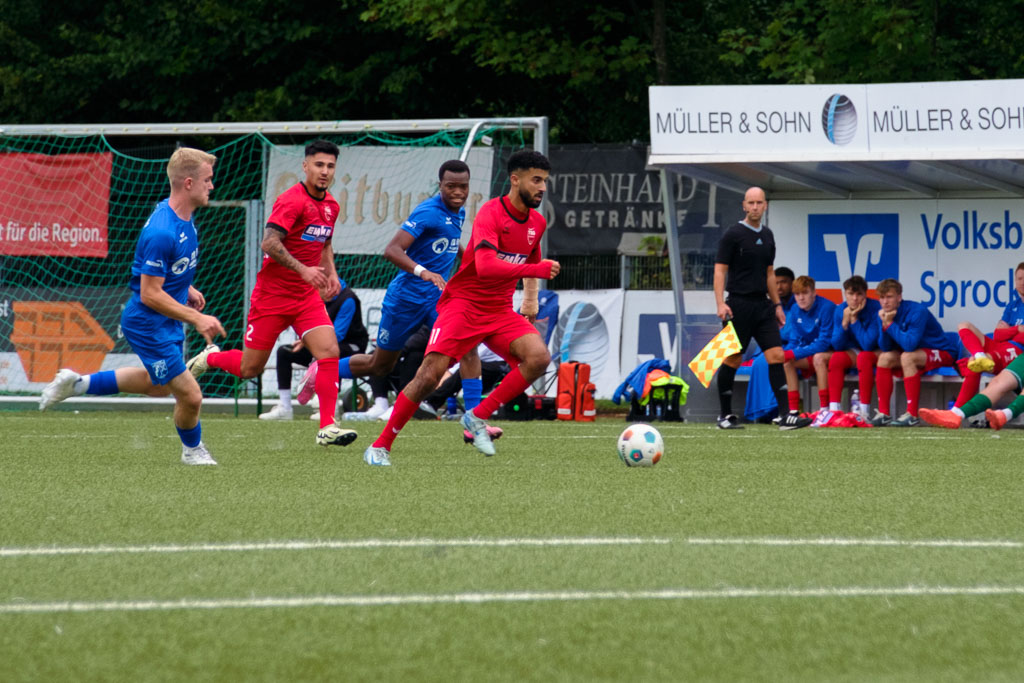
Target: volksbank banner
956	256
848	122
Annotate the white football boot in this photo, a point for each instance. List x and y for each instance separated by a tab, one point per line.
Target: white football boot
60	387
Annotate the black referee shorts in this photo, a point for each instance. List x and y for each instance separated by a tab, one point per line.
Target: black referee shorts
754	317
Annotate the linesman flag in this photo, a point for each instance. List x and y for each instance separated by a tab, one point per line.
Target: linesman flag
724	344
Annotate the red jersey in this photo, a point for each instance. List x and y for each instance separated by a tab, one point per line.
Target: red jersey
308	224
516	239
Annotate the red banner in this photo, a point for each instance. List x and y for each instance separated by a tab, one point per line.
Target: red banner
54	205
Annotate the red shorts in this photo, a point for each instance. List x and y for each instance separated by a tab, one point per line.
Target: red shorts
934	358
270	316
460	326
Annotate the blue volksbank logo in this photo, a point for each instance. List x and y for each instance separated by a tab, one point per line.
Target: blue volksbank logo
843	244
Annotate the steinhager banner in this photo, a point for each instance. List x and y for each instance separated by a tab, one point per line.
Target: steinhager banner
54	205
842	122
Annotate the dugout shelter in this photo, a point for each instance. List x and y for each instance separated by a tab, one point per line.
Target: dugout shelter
923	182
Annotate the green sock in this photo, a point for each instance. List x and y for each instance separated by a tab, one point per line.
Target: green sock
1017	406
979	404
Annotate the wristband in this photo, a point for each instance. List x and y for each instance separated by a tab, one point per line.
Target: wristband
418	270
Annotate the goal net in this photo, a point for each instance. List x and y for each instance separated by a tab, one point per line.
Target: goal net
72	203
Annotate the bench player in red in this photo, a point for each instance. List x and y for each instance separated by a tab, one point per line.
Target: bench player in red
297	276
476	305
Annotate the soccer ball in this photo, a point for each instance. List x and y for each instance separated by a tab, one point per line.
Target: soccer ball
640	446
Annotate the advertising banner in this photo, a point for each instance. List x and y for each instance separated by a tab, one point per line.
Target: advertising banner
956	256
588	332
377	187
599	194
54	205
958	119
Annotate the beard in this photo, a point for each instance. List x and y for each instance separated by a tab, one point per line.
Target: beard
528	199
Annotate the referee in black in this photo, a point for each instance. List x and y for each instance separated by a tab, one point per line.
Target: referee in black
744	267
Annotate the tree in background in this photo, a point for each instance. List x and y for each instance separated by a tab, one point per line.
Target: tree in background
585	64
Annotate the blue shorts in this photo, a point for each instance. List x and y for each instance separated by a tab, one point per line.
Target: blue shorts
400	319
163	359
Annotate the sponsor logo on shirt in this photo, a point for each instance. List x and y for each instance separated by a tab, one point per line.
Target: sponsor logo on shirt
317	233
442	244
155	264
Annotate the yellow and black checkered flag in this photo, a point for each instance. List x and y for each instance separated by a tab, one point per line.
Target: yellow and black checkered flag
705	363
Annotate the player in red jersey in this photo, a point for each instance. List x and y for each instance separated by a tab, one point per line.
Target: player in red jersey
297	276
476	305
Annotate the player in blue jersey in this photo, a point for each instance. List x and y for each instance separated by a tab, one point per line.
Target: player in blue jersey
163	298
808	335
424	248
855	330
912	343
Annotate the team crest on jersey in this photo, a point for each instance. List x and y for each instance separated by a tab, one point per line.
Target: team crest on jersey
160	369
327	212
531	235
382	336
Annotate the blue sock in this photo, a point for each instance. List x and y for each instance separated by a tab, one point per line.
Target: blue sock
343	370
191	437
103	383
471	392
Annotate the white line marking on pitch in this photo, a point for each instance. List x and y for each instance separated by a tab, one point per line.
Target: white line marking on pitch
330	545
859	542
499	597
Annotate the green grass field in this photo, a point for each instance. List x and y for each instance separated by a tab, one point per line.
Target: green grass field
815	555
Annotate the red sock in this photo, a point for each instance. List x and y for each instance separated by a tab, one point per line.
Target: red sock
971	341
326	388
402	412
912	385
884	379
823	398
970	387
794	400
228	361
838	364
866	361
510	387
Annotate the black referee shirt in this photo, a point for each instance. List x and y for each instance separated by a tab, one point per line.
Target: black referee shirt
748	253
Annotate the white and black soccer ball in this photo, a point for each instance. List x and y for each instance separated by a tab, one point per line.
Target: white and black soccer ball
640	445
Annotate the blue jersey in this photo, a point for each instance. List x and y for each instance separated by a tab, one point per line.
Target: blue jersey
809	332
436	231
913	328
862	333
1013	314
168	247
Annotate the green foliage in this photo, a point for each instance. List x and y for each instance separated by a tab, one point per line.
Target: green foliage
586	65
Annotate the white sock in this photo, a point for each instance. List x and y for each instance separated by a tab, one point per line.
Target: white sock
81	386
381	403
957	411
980	354
833	406
1008	413
285	397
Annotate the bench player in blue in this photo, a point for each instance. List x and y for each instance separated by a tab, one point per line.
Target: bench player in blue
163	298
424	249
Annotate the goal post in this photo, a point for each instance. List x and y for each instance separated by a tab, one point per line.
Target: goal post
74	197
